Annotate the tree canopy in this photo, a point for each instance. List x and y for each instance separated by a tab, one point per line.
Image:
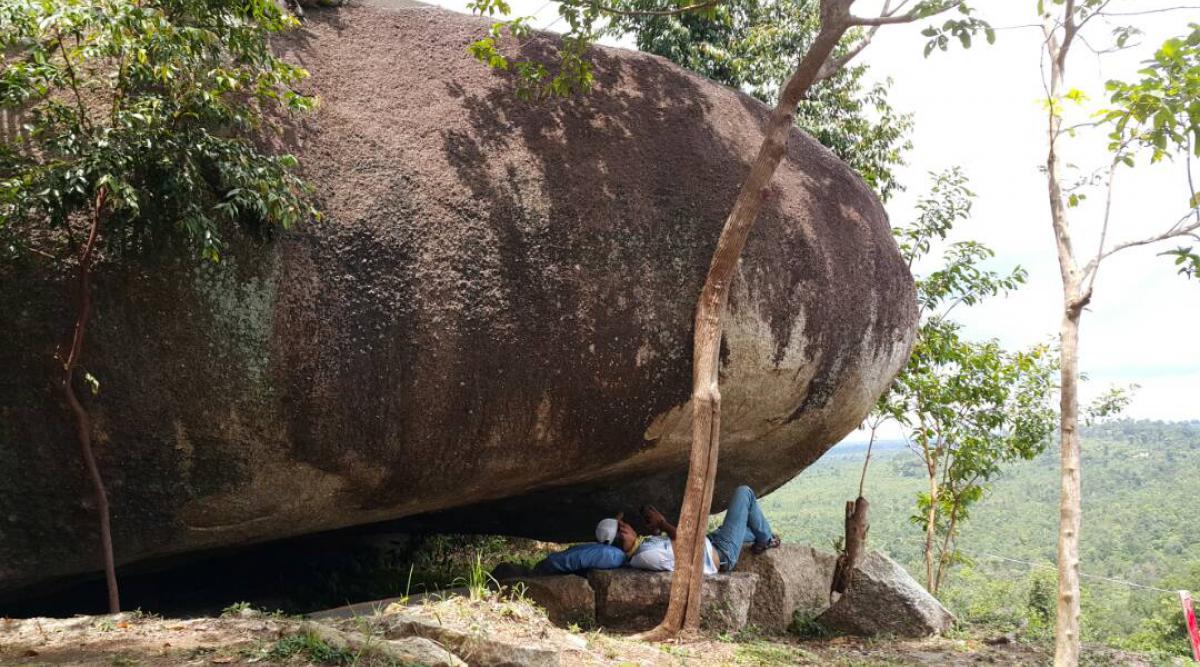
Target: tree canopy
154	104
751	45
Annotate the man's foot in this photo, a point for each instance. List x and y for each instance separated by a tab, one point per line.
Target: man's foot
760	547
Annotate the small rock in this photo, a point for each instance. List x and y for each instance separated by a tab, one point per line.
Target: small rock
477	649
567	598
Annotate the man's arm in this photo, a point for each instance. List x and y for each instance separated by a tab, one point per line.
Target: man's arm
657	521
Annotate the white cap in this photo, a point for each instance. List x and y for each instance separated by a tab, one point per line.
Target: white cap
606	531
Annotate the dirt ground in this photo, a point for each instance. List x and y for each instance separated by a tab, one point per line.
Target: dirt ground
250	637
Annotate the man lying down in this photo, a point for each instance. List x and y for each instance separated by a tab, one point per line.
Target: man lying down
618	544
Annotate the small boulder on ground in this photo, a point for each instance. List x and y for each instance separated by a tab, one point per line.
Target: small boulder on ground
567	598
884	599
628	599
791	579
476	647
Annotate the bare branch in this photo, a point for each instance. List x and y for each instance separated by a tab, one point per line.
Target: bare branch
907	17
1154	11
1093	15
1178	230
833	65
1080	126
655	12
1090	271
1104	52
1020	26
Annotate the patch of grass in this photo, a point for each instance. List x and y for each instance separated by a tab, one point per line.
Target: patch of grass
597	640
678	651
478	580
236	609
139	615
199	652
765	653
124	661
312	647
804	626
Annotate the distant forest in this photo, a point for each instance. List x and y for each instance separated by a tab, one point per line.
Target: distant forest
1141	501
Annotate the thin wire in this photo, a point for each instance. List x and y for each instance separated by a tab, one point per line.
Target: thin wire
1088	576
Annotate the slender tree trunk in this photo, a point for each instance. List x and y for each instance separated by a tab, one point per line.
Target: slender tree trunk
1067	639
862	479
83	422
943	557
930	526
683	609
1066	629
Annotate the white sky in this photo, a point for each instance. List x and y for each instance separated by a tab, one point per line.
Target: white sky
981	109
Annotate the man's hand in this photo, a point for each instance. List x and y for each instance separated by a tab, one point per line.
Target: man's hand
654	519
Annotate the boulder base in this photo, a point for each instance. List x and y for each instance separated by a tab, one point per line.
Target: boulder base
791	579
634	600
884	599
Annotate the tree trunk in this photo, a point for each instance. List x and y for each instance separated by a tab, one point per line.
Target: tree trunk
930	527
1066	629
83	422
683	608
856	541
944	553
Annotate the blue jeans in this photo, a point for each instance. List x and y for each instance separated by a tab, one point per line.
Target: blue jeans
744	524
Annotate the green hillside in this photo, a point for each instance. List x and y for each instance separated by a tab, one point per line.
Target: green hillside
1141	524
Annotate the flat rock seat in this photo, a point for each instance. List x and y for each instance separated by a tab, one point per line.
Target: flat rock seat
635	600
567	598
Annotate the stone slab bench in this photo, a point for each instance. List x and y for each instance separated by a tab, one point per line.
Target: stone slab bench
635	600
632	600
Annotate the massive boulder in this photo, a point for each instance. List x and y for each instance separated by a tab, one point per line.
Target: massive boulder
493	320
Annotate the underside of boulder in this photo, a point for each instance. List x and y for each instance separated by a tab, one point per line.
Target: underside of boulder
490	328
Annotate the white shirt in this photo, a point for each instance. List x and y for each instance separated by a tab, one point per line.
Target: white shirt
655	553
